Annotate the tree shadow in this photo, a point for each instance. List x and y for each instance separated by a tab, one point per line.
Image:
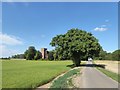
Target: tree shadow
88	65
71	66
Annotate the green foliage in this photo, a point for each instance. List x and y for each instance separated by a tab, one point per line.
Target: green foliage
116	55
30	53
108	56
55	54
50	55
61	82
5	58
75	45
19	56
38	55
102	55
30	74
25	53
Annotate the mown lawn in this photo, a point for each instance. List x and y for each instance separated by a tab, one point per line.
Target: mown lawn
30	74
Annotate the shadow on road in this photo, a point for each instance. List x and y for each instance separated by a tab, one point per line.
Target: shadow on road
88	65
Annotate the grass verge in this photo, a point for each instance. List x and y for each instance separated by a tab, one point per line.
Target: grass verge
110	74
64	81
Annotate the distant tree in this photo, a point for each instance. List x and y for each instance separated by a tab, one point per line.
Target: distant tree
18	56
25	54
38	55
21	56
13	56
50	55
30	53
76	43
5	58
29	56
102	55
55	55
108	56
116	55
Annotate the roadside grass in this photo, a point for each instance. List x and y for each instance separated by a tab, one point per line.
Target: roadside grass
110	70
30	74
109	65
110	74
64	81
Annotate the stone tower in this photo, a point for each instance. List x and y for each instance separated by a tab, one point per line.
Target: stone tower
44	53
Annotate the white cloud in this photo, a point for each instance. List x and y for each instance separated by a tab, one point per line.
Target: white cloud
100	29
6	52
9	40
6	42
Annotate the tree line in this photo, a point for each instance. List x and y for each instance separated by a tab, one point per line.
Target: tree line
53	55
32	54
74	45
115	55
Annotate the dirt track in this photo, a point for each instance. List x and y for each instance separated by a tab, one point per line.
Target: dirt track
92	78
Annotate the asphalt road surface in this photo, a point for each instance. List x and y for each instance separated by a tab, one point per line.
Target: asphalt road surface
92	78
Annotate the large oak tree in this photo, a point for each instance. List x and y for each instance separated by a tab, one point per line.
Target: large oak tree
76	43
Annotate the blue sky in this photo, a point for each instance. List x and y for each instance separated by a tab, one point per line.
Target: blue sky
25	24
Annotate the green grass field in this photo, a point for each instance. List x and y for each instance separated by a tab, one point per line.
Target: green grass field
30	74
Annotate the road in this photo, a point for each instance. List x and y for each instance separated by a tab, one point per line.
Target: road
92	78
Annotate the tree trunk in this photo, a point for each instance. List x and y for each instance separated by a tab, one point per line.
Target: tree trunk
76	58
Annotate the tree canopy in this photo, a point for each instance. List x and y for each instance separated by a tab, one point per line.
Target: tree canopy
116	55
50	55
30	53
38	55
76	44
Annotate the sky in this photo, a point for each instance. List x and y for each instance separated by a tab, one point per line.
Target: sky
27	24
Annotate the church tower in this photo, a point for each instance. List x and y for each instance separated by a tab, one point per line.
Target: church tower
44	53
